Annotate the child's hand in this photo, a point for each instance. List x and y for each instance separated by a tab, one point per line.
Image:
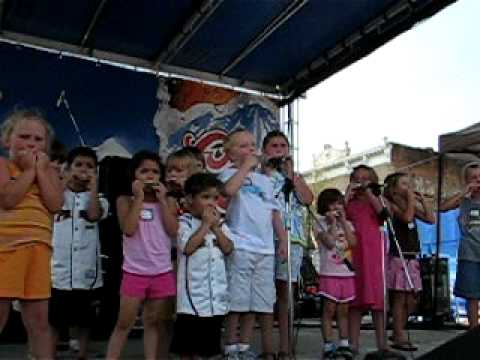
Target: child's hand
341	215
137	189
282	250
250	162
176	181
26	160
331	216
43	161
92	181
470	188
287	167
160	191
211	217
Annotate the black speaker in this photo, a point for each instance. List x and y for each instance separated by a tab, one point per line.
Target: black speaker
114	180
427	268
463	347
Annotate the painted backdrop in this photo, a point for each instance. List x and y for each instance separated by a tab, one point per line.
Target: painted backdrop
121	111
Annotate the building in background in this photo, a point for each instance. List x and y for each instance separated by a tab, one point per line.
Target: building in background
332	167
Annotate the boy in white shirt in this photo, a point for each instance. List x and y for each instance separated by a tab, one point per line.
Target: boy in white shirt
76	267
202	289
252	216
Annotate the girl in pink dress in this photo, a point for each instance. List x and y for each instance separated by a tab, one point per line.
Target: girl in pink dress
365	210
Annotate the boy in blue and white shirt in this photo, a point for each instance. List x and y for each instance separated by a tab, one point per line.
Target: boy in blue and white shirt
252	216
76	266
202	288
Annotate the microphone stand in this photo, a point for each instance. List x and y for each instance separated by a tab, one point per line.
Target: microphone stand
388	354
63	100
288	189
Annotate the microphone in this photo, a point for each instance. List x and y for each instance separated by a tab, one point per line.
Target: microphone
60	98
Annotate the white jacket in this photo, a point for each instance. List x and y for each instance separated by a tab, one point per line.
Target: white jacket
76	262
202	287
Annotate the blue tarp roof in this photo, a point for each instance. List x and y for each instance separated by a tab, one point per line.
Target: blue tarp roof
273	46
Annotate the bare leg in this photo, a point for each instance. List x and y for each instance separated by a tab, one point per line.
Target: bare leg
282	303
54	340
399	308
4	312
355	318
472	313
83	341
151	323
126	319
247	321
327	317
165	330
233	319
35	319
379	322
266	325
342	320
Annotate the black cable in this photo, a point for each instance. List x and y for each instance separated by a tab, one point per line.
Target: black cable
187	287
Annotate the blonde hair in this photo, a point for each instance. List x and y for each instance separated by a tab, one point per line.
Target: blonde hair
228	142
17	116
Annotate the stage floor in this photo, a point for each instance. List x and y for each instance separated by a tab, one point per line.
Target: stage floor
309	344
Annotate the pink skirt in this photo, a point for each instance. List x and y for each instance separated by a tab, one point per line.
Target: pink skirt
396	277
337	288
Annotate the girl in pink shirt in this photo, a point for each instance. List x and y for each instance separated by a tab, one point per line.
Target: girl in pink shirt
335	236
148	223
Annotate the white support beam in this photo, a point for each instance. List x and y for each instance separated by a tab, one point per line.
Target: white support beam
189	29
286	14
137	64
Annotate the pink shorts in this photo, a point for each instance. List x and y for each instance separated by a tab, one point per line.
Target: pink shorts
148	286
337	288
396	277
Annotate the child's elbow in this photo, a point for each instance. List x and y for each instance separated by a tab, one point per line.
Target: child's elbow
55	206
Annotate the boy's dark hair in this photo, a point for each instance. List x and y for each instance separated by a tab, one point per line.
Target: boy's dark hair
273	134
326	198
140	157
81	151
58	152
201	182
371	171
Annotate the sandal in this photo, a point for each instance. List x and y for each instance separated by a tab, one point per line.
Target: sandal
406	346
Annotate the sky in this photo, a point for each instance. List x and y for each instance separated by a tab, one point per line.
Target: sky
422	84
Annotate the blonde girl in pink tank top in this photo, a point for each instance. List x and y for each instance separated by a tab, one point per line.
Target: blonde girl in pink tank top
148	222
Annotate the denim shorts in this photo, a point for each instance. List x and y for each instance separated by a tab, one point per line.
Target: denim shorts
467	284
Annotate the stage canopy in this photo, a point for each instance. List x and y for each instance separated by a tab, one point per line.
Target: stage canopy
463	141
276	47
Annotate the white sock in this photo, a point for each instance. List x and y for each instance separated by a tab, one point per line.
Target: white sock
231	348
243	347
343	342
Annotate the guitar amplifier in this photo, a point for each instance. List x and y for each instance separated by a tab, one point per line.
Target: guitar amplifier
426	303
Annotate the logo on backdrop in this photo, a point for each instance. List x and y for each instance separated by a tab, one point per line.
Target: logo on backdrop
193	114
